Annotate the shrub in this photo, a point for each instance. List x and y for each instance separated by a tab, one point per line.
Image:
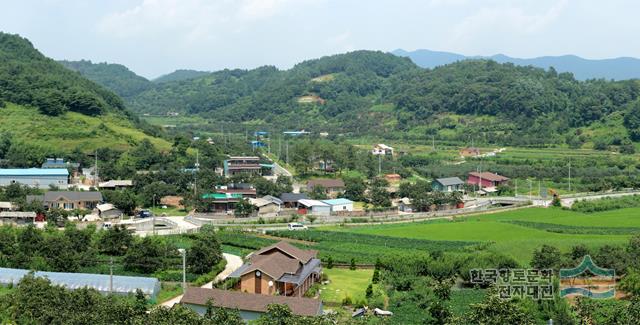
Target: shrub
347	301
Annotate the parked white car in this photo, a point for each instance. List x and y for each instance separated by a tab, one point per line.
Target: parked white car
296	226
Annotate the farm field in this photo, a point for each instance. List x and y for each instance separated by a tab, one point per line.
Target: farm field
345	282
512	239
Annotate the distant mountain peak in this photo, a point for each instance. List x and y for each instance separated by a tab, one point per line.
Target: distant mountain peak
620	68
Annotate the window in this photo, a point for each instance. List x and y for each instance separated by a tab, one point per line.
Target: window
68	205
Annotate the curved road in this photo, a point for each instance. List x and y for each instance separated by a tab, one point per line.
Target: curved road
233	263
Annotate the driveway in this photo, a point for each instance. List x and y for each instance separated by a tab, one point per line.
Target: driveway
233	263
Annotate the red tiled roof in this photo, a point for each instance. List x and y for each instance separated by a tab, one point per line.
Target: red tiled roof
250	302
300	254
489	176
325	182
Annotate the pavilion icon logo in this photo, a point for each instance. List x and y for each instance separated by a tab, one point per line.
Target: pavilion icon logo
588	280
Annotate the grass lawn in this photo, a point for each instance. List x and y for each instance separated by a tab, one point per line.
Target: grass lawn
345	282
169	211
515	240
168	291
5	290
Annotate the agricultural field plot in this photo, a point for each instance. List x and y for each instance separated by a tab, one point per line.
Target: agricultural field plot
512	239
345	283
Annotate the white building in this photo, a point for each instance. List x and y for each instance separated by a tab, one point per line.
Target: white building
382	149
340	205
314	207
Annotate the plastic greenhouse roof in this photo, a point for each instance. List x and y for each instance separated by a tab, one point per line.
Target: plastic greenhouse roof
34	172
100	282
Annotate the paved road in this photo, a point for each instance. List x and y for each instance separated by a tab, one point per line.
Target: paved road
568	202
279	170
233	263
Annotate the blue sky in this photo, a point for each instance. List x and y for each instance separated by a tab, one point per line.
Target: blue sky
154	37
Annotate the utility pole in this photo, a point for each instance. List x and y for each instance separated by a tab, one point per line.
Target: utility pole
287	149
516	189
569	177
96	171
184	268
195	182
379	164
433	142
528	180
539	189
111	275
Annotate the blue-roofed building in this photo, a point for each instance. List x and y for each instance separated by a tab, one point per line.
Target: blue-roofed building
122	285
35	177
339	205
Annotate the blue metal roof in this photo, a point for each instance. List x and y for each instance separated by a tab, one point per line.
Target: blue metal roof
34	172
337	201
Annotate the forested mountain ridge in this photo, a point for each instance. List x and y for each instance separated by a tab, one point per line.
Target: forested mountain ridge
46	108
380	94
115	77
29	78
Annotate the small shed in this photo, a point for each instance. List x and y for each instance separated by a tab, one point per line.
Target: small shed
313	207
108	211
264	206
340	205
448	184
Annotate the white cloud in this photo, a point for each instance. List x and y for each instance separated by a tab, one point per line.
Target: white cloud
503	19
192	18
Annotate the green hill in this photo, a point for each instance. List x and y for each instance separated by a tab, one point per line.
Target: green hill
47	106
115	77
179	75
366	93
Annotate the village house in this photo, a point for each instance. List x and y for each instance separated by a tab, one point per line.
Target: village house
280	269
222	202
331	186
59	163
486	180
470	152
116	184
266	205
6	206
68	200
313	207
43	178
244	189
339	205
448	184
393	178
17	218
290	200
250	306
382	149
242	165
405	205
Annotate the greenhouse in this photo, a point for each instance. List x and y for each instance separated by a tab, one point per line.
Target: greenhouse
121	284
